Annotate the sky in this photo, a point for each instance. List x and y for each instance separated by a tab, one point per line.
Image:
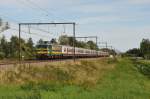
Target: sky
122	23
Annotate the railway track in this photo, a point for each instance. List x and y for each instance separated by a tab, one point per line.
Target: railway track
10	65
31	61
38	61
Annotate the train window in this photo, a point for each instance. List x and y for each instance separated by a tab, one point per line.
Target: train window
56	48
64	49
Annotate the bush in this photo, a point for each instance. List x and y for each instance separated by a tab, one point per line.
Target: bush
144	69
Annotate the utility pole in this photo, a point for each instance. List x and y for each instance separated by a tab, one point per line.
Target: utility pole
74	39
19	42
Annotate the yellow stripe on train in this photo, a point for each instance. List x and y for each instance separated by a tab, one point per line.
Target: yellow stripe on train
45	52
42	52
56	53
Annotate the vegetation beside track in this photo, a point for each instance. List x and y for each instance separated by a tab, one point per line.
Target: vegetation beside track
86	79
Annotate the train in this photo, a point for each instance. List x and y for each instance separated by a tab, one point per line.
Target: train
54	51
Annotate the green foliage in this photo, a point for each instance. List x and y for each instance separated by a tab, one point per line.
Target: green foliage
11	49
4	47
92	45
135	52
53	41
143	67
30	49
143	51
65	40
145	48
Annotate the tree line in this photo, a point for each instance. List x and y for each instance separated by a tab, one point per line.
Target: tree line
143	51
10	48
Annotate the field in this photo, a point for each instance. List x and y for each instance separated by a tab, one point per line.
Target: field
86	79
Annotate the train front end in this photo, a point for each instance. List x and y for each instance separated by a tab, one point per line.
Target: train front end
43	51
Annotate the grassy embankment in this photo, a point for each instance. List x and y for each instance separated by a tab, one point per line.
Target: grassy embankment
96	79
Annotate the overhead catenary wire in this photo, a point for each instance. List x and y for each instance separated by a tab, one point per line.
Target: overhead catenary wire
29	5
42	9
29	27
23	31
7	17
41	30
48	13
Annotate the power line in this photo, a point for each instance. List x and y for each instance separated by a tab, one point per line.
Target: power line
28	27
15	22
29	33
41	30
42	9
29	5
7	17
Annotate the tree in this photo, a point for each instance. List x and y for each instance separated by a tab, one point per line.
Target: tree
63	40
3	47
30	49
15	46
53	41
136	52
40	41
30	43
145	48
11	49
92	45
71	40
81	44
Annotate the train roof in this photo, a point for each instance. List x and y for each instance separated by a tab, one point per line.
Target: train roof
66	46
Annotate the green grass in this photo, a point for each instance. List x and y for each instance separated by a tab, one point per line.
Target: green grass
123	81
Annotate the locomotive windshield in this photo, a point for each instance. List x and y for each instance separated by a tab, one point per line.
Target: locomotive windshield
41	46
